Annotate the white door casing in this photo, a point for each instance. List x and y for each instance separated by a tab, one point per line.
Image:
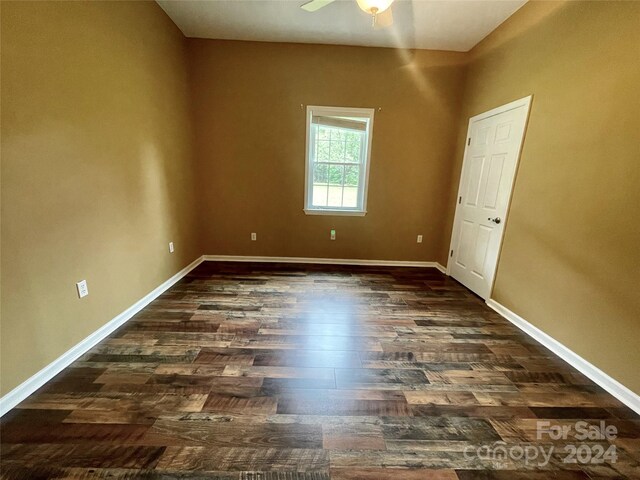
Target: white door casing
494	142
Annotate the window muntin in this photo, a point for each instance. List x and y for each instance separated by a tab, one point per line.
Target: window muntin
338	145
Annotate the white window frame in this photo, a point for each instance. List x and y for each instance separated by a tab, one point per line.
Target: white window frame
361	208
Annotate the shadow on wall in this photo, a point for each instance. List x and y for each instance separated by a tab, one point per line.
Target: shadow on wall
156	210
594	273
503	38
513	30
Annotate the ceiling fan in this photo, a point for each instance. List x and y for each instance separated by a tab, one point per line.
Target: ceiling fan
378	9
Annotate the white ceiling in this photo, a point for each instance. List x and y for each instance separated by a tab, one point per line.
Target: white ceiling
431	24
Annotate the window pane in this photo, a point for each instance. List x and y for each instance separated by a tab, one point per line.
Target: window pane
324	133
335	196
352	175
350	198
319	195
336	174
337	151
337	135
351	181
321	173
322	151
353	143
336	178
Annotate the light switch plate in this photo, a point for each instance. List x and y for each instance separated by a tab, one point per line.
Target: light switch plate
83	290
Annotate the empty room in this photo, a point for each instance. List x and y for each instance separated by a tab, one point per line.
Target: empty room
320	239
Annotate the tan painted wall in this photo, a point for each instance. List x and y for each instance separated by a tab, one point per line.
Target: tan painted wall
570	262
251	146
96	169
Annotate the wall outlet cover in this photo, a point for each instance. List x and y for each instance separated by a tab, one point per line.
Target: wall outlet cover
171	248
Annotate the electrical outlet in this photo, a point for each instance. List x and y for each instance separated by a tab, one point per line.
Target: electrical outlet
333	234
83	290
254	236
171	249
419	239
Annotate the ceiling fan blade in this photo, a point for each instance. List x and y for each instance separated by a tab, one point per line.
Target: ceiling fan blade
384	19
314	5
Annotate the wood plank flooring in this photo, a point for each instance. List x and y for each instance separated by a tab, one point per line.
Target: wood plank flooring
302	372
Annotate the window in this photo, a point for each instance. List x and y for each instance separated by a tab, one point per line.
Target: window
338	151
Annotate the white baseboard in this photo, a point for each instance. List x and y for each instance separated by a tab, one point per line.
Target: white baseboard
22	391
26	388
592	372
441	268
324	261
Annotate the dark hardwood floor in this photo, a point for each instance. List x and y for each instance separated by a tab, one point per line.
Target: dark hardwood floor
291	372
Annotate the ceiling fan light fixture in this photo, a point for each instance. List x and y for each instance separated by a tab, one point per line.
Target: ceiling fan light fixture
374	7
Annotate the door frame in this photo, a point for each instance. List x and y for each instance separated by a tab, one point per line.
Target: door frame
522	102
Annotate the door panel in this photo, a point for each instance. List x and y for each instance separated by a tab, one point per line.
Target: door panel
503	132
467	239
485	190
481	247
474	180
496	167
483	135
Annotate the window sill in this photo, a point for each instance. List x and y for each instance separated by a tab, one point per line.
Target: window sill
349	213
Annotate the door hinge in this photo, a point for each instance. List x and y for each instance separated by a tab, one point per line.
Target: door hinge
469	141
451	254
459	199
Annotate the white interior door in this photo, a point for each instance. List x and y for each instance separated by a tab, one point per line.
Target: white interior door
494	140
